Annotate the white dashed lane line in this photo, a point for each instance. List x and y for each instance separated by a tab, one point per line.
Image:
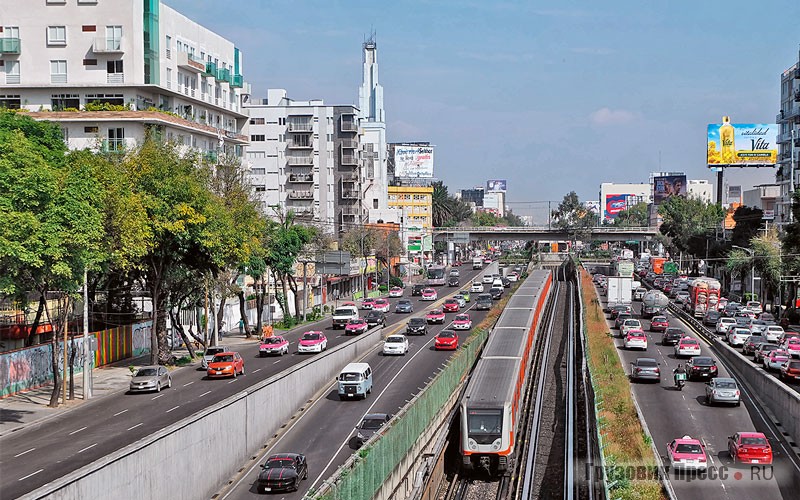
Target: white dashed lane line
173	408
207	392
87	448
120	413
77	431
160	395
135	426
29	475
24	452
190	383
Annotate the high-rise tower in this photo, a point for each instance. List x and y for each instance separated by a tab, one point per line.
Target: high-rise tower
373	124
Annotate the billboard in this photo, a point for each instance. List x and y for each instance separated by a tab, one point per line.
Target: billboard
668	185
413	161
742	144
616	203
496	186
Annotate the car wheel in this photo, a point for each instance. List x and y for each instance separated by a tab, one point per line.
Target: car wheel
169	382
738	404
158	387
242	370
234	373
305	474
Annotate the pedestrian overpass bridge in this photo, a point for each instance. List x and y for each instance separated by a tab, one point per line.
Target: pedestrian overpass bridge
464	235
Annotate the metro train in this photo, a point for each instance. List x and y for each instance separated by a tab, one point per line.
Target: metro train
490	408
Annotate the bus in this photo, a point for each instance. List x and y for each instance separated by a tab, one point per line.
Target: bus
436	276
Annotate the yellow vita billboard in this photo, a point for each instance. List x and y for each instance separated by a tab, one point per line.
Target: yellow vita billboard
742	144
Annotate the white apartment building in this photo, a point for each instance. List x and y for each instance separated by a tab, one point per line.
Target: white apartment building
700	189
788	141
373	126
495	201
110	70
304	156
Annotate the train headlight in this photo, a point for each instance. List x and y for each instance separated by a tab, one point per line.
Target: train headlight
496	444
472	444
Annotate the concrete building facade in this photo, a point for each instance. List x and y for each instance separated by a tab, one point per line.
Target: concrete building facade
763	196
415	205
700	189
110	71
788	141
373	127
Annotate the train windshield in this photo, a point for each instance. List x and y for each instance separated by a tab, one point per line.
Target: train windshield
485	425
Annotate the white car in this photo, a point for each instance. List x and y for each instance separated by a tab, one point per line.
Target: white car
477	287
630	324
639	293
754	306
381	305
757	327
724	324
513	277
773	333
682	297
395	344
209	354
738	336
462	302
455	272
487	279
687	346
636	339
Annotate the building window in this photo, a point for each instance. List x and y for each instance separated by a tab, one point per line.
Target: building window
60	102
113	37
116	139
58	71
257	138
255	155
12	72
91	130
10	102
65	133
89	28
90	62
256	121
258	171
260	189
115	99
56	35
169	78
114	72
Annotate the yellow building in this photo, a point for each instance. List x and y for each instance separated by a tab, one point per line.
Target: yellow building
415	204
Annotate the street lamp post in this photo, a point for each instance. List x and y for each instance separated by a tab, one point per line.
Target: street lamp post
751	253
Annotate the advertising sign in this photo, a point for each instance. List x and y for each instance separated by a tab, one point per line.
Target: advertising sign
668	185
616	203
413	161
742	144
414	243
496	186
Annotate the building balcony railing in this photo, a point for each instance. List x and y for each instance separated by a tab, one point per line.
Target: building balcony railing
349	160
299	145
299	126
191	63
303	213
103	45
349	144
351	211
211	69
348	125
301	178
299	160
224	75
115	78
348	194
791	113
300	195
10	45
237	81
350	177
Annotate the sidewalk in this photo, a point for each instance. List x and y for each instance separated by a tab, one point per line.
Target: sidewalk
30	407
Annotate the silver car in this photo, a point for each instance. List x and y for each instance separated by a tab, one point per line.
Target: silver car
722	390
150	378
209	355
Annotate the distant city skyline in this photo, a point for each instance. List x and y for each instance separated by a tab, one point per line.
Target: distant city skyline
552	99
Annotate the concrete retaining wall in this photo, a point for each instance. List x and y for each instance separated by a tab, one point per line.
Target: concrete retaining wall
193	457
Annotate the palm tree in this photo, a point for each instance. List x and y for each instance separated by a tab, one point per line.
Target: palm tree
442	207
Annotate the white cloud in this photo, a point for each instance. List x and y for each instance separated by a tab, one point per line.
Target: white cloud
607	116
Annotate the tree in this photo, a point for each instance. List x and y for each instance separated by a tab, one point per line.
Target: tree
685	218
635	216
748	223
360	241
485	219
447	210
572	217
767	255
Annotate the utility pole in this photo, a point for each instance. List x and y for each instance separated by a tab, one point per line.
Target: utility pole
65	326
87	366
205	316
305	288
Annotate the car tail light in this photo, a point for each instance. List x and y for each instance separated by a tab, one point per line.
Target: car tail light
702	459
713	368
737	393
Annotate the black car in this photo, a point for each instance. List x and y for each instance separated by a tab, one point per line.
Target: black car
496	292
752	343
375	318
282	472
452	281
417	326
370	424
483	302
506	282
404	306
417	290
672	336
701	367
711	318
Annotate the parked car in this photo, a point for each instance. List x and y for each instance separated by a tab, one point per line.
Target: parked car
375	318
225	364
273	345
701	367
395	344
722	390
370	424
404	306
645	369
447	339
282	472
313	341
417	326
750	448
150	378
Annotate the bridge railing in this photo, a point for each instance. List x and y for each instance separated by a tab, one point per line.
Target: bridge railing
528	229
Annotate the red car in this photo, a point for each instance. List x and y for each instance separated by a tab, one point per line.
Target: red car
225	364
790	370
435	316
750	448
451	306
659	324
447	339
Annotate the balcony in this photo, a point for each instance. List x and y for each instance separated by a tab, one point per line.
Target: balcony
304	161
10	46
237	81
300	195
211	69
349	194
301	178
223	75
349	160
115	78
103	45
348	123
304	126
351	211
190	63
350	177
349	144
792	113
299	144
303	214
797	96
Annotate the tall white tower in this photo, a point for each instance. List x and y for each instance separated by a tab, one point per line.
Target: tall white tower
373	125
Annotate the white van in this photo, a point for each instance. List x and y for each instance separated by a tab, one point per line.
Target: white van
354	381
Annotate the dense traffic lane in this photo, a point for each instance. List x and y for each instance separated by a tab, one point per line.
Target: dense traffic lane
38	454
325	430
671	414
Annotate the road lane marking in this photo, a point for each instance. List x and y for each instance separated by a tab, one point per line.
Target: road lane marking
88	447
77	431
160	395
120	412
276	362
175	408
135	426
24	452
207	392
232	381
257	370
190	383
29	475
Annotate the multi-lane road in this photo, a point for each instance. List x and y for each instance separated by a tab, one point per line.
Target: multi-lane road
39	454
671	414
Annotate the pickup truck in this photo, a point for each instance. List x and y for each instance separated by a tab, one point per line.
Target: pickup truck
343	314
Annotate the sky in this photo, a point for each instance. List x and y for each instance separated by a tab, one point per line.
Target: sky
552	96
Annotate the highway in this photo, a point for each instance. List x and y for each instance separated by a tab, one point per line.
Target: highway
671	414
325	430
39	454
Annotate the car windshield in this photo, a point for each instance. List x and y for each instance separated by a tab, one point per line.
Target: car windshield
462	317
631	322
404	303
447	334
312	336
658	319
279	463
146	372
394	340
213	350
273	340
688	448
223	358
343	312
350	377
755	339
703	361
428	291
689	341
356	321
646	362
434	312
372	314
371	423
775	329
768	347
754	441
725	384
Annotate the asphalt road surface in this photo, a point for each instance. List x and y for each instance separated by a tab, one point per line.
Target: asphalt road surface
38	454
671	414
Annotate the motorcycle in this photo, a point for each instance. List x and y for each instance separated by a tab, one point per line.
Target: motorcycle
680	380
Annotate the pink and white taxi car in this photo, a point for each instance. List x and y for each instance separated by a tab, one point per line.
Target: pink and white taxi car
313	341
775	359
381	305
356	326
273	345
462	322
792	346
687	453
429	294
